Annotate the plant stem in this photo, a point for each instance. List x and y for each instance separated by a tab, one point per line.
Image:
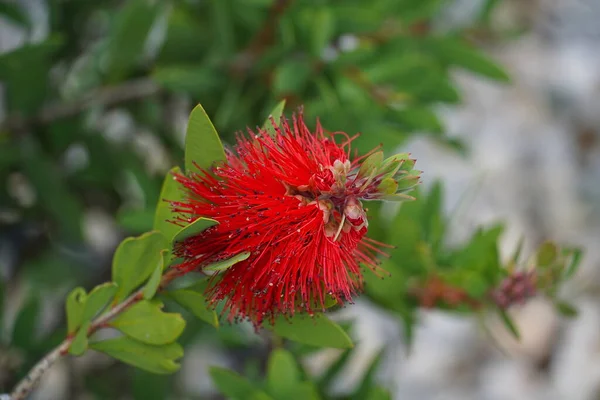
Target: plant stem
104	96
29	382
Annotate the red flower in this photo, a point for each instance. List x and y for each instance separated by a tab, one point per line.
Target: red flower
294	202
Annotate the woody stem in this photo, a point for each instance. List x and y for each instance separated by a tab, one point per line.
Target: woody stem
30	381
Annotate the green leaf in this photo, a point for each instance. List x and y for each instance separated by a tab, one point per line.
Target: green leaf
566	309
134	261
171	191
508	322
193	229
98	299
322	28
80	342
283	374
518	250
234	386
14	13
55	196
546	254
154	281
291	77
74	306
387	186
222	265
127	37
419	119
378	393
148	386
2	300
366	384
276	114
327	378
371	163
24	74
195	302
397	197
26	323
202	144
316	331
487	10
458	53
576	255
195	80
155	359
135	221
147	323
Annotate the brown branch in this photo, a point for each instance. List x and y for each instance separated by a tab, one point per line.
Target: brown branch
27	384
105	96
261	41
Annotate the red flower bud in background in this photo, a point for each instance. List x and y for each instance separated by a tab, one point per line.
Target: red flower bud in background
516	288
294	200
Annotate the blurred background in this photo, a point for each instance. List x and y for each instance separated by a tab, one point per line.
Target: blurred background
496	99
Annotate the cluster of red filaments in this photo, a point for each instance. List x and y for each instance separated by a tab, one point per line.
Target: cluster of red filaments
293	200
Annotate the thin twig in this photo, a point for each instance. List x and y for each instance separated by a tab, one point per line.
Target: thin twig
27	384
105	96
261	40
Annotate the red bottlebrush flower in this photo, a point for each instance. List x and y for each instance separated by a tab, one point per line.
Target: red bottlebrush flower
293	200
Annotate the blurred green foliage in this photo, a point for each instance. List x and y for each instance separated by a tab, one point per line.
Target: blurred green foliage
94	111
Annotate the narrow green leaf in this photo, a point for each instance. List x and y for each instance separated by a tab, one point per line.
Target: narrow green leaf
327	378
419	119
2	300
171	191
234	386
508	322
316	331
147	323
80	342
390	166
134	261
388	186
25	74
291	76
487	10
222	265
74	306
195	302
322	28
378	393
366	384
276	114
55	196
127	37
154	281
155	359
546	254
193	229
202	143
396	197
98	299
26	324
566	309
14	12
191	79
518	250
461	54
371	163
576	255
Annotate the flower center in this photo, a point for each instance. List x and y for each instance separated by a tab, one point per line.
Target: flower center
342	211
